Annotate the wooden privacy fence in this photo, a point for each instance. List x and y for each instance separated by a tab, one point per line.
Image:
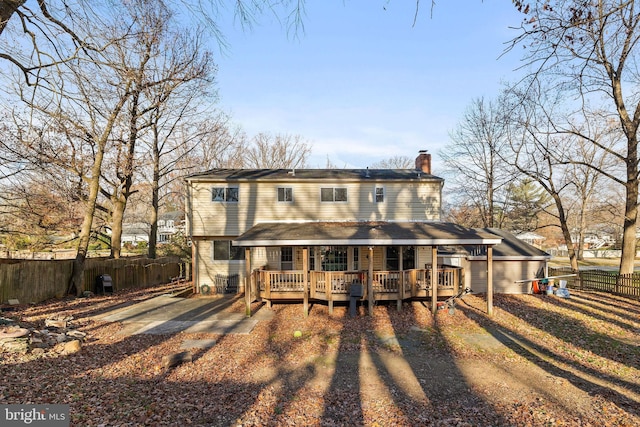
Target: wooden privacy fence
33	281
132	276
600	280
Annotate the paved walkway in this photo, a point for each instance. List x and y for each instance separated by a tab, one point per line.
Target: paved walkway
166	314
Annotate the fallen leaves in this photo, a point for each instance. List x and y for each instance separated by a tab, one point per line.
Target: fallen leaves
538	360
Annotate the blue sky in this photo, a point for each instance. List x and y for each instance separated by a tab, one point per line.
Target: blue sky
362	83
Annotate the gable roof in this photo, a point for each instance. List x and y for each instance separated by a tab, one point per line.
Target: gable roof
370	233
238	175
511	247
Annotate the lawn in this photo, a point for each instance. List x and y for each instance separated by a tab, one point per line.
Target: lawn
539	360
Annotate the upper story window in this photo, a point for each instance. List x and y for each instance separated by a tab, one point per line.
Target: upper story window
224	194
170	223
333	194
379	194
285	194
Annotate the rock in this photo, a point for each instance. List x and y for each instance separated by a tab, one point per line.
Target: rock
6	321
13	302
77	334
16	345
37	351
13	332
53	323
69	347
176	359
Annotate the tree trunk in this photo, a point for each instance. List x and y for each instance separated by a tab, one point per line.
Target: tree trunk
631	204
155	197
155	208
629	231
76	283
116	226
564	226
7	9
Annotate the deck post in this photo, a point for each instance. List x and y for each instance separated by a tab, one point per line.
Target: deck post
370	282
247	281
489	280
305	279
400	279
194	271
328	290
413	280
434	279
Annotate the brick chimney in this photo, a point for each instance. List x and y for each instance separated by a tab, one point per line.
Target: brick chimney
423	162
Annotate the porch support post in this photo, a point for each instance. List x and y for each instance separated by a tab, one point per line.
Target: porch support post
400	279
489	280
434	279
305	279
370	282
194	266
247	281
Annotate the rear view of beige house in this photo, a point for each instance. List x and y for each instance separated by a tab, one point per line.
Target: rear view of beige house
330	234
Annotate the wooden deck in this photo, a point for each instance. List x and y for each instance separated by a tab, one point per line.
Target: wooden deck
336	286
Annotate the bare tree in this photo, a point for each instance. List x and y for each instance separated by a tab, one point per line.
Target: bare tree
395	162
71	121
159	60
268	151
474	159
591	49
46	29
173	141
556	160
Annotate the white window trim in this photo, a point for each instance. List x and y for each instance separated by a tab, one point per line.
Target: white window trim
375	194
278	195
334	195
226	187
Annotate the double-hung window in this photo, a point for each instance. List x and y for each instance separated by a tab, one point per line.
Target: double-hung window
224	194
379	194
285	194
333	194
223	250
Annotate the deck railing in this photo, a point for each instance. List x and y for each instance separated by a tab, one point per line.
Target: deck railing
325	284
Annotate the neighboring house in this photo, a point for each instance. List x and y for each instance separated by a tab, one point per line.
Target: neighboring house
168	224
135	233
315	233
532	238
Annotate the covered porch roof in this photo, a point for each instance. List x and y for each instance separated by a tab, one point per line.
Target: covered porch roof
363	233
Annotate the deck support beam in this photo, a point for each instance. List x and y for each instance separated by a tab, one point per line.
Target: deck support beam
434	279
370	298
305	279
247	281
400	278
489	280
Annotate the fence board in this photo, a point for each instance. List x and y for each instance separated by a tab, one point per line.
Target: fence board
36	281
604	281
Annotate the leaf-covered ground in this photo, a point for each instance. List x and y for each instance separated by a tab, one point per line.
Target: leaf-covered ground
539	360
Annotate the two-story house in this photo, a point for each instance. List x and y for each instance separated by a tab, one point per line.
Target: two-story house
325	234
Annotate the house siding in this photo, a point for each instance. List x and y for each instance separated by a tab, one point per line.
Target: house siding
404	201
505	275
